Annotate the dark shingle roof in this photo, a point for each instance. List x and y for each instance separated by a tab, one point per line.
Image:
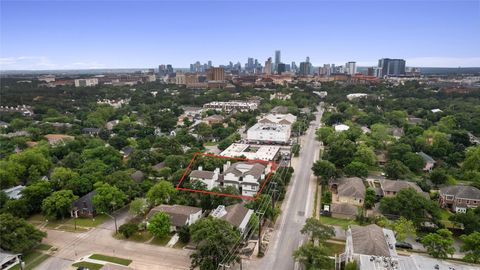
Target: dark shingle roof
235	214
397	185
351	187
369	240
245	168
459	191
426	157
202	174
178	213
85	202
344	209
138	176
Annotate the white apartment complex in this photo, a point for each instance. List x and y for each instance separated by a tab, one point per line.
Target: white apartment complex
86	82
253	152
232	105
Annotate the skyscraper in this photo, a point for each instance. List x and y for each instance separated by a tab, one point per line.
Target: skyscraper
268	66
350	68
278	59
216	74
391	67
305	68
281	68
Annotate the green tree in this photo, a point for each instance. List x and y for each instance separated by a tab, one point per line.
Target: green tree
411	205
18	208
439	244
352	266
159	224
128	229
324	169
214	239
17	235
395	169
317	231
404	228
108	198
414	162
161	192
138	206
356	168
472	159
184	234
438	176
370	198
36	193
471	245
58	204
313	257
365	155
61	176
204	130
470	220
123	181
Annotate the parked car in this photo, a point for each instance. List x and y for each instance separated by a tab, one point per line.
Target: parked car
403	245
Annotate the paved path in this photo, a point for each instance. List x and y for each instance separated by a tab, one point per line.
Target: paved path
296	208
73	246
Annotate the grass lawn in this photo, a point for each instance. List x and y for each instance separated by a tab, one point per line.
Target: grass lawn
335	248
180	244
89	265
43	247
112	259
68	224
444	215
210	143
337	221
140	237
32	259
161	241
89	222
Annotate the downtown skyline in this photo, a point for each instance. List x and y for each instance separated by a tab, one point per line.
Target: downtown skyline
82	35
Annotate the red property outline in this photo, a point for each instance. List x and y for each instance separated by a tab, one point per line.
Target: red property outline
273	164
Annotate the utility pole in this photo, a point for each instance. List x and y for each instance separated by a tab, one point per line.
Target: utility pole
274	191
260	215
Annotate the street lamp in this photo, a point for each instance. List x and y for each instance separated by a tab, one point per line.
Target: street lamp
114	218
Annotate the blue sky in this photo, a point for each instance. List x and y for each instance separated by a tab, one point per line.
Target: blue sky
126	34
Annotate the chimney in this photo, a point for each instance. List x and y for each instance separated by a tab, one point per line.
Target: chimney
226	166
200	168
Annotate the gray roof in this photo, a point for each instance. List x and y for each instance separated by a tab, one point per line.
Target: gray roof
369	240
178	213
91	130
344	209
235	214
397	132
466	192
202	174
14	192
6	256
245	168
159	166
397	185
138	176
350	187
85	202
426	157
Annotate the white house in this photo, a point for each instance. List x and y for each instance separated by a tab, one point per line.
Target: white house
180	215
341	127
237	215
207	177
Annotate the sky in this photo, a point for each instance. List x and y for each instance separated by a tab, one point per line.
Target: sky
41	35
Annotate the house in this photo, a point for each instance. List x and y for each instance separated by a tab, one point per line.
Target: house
157	167
459	198
8	260
83	206
390	188
91	131
14	192
208	178
127	151
252	152
341	127
279	109
214	119
414	120
4	124
237	215
368	246
54	139
396	132
348	190
429	161
343	210
111	124
244	176
436	110
137	176
180	215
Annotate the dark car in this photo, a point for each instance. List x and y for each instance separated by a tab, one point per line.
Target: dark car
403	245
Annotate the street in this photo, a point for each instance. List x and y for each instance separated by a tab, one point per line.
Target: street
73	246
296	208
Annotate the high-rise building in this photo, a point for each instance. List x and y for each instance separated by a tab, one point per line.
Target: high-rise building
169	69
278	59
281	68
162	71
209	64
391	67
305	68
268	66
350	68
216	74
293	67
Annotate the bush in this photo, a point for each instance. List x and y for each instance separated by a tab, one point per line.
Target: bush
128	229
184	234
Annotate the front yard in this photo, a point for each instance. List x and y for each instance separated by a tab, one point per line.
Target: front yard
35	257
68	224
344	223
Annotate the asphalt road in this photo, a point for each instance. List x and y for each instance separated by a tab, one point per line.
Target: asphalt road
297	207
73	246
